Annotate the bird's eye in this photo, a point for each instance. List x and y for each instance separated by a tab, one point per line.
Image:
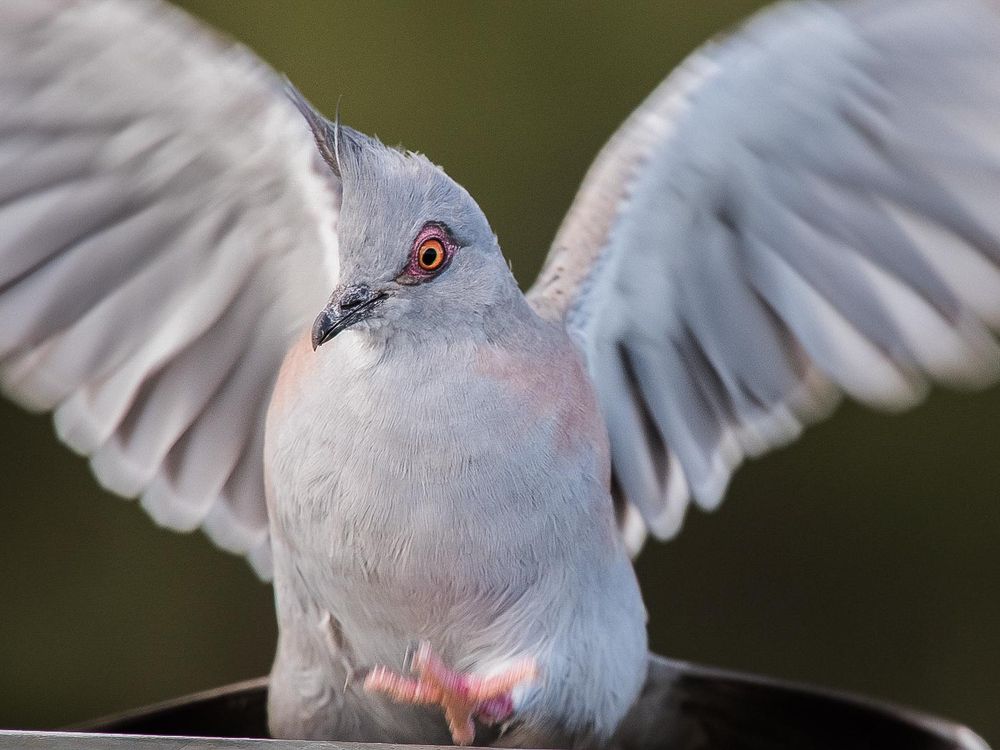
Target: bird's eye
430	254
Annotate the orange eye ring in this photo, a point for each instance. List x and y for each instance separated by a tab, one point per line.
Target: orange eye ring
430	254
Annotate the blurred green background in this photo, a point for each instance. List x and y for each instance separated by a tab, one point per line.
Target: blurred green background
864	557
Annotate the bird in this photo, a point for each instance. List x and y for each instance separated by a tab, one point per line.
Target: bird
298	313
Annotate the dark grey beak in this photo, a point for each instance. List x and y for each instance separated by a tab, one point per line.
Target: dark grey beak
347	306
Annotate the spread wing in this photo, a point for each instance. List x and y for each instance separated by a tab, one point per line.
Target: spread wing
163	235
808	207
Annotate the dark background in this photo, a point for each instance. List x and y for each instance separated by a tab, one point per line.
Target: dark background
864	557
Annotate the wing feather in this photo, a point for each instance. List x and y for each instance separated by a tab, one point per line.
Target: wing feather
803	209
164	235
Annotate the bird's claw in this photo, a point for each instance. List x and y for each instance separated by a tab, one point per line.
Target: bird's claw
463	697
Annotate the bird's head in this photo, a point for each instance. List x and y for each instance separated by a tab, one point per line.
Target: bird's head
417	255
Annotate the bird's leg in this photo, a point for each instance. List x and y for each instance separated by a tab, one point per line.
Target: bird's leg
462	697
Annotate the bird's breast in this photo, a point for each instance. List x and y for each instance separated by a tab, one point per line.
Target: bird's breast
396	468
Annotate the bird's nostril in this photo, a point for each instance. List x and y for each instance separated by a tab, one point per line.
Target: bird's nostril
354	296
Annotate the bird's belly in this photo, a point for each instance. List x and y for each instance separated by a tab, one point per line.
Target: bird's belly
435	534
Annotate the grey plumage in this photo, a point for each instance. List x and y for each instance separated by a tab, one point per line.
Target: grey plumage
799	211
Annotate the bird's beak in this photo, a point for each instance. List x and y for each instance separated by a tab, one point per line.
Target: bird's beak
347	306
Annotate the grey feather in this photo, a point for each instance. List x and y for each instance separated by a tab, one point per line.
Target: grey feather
804	207
155	263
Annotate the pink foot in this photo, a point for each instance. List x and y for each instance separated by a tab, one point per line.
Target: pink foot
463	697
